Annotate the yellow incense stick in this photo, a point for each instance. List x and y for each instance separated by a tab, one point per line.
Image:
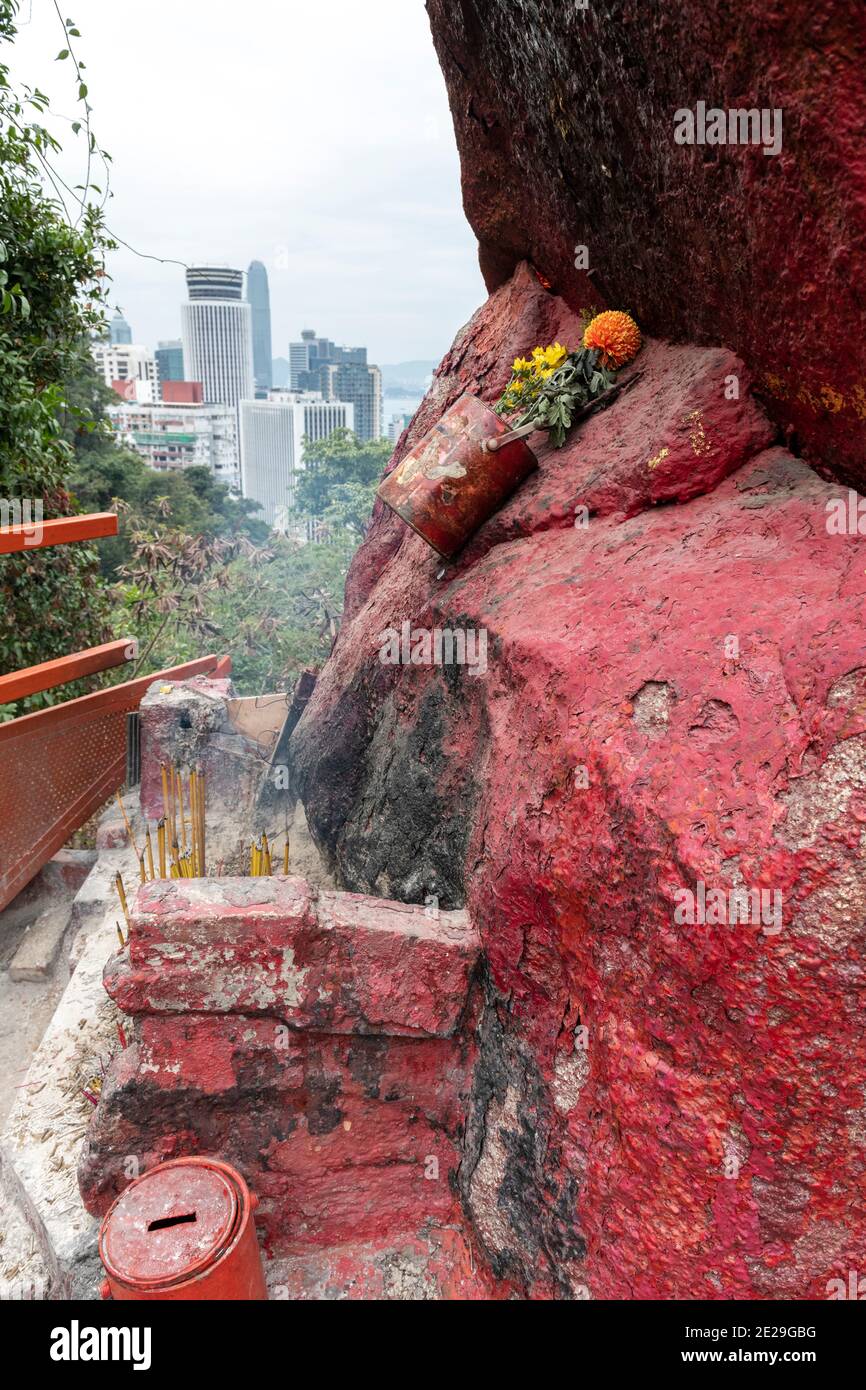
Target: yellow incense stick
194	820
182	813
148	844
166	803
121	893
202	792
126	823
160	839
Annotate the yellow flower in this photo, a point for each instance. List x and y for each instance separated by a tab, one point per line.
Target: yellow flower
615	335
555	355
521	365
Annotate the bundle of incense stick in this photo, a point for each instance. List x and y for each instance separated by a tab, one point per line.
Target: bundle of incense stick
180	834
260	857
182	831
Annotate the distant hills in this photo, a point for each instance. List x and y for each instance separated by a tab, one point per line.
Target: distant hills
407	378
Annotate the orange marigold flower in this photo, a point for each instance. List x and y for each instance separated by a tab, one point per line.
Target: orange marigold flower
616	335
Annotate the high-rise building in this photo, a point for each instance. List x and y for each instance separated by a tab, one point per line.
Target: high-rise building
216	326
299	359
135	389
170	437
119	330
340	374
272	434
259	299
214	282
397	425
182	392
122	362
361	386
169	360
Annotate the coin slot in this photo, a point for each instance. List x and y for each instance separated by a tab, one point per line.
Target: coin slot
165	1221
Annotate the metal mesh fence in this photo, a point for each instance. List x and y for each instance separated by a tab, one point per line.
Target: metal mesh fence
59	765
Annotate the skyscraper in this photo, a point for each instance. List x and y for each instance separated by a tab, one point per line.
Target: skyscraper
340	374
361	386
272	434
119	330
216	326
260	302
169	360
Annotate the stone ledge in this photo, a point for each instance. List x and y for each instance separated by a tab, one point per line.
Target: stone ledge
331	962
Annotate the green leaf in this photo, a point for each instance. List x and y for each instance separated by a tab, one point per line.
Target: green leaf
82	91
64	53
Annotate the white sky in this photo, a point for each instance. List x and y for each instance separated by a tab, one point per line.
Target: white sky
313	135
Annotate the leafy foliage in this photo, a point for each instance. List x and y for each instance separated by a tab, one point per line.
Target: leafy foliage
103	470
554	388
193	568
274	608
53	294
338	485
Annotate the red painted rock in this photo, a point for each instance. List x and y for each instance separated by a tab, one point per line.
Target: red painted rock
333	962
652	800
188	724
439	1265
565	116
342	1138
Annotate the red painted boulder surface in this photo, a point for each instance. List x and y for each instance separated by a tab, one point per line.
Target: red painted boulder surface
336	962
323	1044
650	795
565	120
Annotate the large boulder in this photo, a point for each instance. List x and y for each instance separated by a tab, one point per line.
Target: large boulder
565	120
652	801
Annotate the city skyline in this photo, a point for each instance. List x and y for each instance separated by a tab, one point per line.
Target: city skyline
209	399
360	224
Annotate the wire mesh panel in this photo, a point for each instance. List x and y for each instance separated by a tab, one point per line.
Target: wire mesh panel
59	765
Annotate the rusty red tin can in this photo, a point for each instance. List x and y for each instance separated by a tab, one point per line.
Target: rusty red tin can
183	1230
450	483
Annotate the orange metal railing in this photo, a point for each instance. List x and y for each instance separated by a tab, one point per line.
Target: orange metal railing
61	764
48	675
36	535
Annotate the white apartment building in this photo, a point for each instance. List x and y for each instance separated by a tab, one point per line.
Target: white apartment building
272	434
172	437
218	349
126	362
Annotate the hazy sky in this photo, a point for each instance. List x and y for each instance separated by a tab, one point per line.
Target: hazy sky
314	136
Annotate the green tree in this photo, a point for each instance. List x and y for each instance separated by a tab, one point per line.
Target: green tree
339	481
52	296
275	609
